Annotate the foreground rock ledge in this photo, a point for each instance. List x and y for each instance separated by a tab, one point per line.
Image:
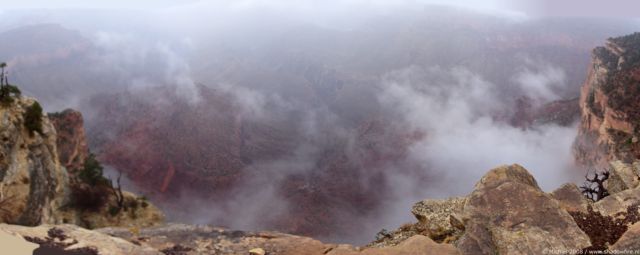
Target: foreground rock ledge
506	213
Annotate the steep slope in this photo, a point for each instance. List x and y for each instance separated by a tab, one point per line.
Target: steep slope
610	125
35	188
506	213
33	182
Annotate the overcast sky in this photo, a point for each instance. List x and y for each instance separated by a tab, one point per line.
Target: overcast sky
615	8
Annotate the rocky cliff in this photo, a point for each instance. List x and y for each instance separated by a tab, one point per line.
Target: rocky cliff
33	184
506	213
610	109
36	188
71	139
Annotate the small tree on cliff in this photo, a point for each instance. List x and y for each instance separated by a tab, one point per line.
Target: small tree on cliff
7	91
3	65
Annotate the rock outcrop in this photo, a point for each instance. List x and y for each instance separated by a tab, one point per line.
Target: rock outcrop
182	239
54	239
35	188
441	217
609	104
71	141
73	152
571	198
32	182
507	213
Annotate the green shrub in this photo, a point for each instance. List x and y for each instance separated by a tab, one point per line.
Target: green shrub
92	173
33	118
7	93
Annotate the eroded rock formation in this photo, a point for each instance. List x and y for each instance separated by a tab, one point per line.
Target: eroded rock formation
609	128
32	181
71	141
35	188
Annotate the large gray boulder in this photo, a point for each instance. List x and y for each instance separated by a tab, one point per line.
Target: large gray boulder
621	177
508	213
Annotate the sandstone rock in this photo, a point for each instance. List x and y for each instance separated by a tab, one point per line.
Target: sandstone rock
71	140
636	167
621	177
435	216
35	187
16	245
507	213
202	240
32	182
570	198
456	221
77	239
617	203
257	251
629	241
501	174
415	245
609	116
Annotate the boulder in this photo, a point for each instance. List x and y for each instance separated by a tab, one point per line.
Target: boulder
436	215
621	177
507	213
571	198
75	240
257	251
501	174
616	205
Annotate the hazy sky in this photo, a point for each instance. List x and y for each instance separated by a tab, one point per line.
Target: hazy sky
617	8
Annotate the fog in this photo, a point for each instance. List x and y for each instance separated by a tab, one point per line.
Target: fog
321	118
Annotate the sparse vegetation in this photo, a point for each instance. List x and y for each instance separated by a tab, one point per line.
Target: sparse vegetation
117	193
7	91
93	172
604	230
33	118
383	234
91	191
593	187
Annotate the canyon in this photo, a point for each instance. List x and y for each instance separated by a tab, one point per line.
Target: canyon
324	136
